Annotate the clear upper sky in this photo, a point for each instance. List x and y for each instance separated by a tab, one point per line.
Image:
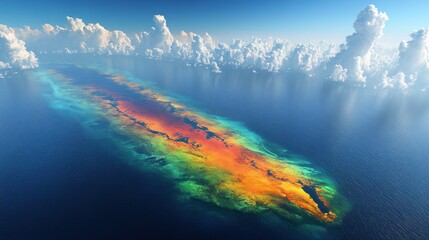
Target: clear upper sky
296	20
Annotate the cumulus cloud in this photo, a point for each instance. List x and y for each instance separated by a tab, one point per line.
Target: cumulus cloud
215	68
398	81
77	37
158	40
414	54
13	53
201	54
272	55
413	62
355	54
361	59
339	73
310	57
269	55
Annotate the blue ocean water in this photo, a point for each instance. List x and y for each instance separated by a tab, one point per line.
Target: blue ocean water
57	182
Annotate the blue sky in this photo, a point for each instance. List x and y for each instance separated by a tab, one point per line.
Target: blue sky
298	20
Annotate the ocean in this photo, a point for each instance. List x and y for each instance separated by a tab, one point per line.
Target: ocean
60	179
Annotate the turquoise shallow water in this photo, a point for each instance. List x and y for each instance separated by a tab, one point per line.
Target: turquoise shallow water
58	181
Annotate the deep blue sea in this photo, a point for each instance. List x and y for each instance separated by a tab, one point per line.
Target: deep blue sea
59	182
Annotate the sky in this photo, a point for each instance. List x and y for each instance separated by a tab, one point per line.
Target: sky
296	20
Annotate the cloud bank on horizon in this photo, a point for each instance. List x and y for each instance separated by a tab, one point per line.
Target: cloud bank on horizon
13	53
360	60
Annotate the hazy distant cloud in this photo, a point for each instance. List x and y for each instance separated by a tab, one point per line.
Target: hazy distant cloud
13	53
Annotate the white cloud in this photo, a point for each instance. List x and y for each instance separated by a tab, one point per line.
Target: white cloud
159	38
215	68
120	43
355	54
339	74
414	54
413	62
309	57
269	55
399	81
78	37
13	53
361	58
200	53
